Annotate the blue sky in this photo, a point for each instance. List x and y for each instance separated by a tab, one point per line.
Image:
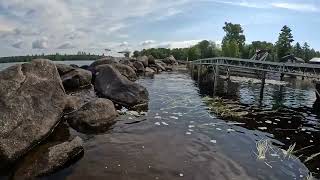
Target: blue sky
69	26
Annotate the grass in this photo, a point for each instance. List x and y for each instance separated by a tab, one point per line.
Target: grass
289	153
262	148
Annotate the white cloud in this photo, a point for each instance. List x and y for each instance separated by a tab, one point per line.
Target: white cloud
18	44
176	44
40	43
124	44
147	42
297	7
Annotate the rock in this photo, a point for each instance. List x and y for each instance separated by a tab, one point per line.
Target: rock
32	99
170	60
85	95
139	66
106	60
128	63
72	103
95	116
169	68
151	60
111	84
48	159
160	66
64	69
76	79
144	60
126	71
149	72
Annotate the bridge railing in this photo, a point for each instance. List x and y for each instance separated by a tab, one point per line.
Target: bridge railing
297	69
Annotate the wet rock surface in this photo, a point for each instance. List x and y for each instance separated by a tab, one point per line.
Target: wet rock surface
110	84
49	158
31	104
95	116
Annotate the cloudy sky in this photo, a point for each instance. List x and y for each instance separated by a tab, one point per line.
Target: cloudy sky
69	26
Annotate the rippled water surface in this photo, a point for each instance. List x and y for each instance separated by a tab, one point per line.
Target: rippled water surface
180	139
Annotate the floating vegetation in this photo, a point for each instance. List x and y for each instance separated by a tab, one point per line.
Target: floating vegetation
312	157
223	109
262	148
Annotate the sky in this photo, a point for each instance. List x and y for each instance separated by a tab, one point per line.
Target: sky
69	26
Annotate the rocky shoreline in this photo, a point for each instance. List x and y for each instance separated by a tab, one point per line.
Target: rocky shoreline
39	96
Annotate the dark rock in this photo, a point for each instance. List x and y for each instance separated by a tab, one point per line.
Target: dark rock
48	159
74	66
111	84
85	95
128	63
139	66
95	116
64	69
32	99
126	71
151	60
106	60
144	60
76	79
170	60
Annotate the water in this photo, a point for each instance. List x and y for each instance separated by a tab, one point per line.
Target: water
180	139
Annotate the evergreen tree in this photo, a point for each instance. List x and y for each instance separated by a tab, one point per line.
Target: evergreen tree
298	51
283	44
306	52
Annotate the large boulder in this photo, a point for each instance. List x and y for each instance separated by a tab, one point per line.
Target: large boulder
126	71
144	60
111	84
48	159
76	79
106	60
95	116
128	63
161	66
64	69
170	60
151	60
139	67
149	72
32	99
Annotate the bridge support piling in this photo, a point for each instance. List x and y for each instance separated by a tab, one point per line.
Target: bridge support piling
263	82
281	77
318	91
199	73
216	76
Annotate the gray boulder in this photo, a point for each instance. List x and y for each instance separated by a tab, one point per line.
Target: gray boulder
48	159
144	60
151	60
95	116
161	66
106	60
149	72
110	84
170	60
126	71
32	99
76	79
139	67
128	63
64	69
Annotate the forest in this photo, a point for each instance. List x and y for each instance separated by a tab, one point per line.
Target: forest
233	45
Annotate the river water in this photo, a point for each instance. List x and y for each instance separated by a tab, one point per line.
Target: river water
180	138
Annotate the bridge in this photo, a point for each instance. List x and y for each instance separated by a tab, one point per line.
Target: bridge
260	66
293	69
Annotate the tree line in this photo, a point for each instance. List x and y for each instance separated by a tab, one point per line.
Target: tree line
80	56
233	45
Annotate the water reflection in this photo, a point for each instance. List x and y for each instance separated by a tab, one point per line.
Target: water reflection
285	113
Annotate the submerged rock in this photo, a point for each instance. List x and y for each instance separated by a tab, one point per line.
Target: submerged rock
126	71
111	84
76	79
95	116
48	159
32	99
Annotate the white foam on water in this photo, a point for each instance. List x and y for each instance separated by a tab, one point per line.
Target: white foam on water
262	128
269	122
173	117
157	117
213	141
157	123
188	133
164	123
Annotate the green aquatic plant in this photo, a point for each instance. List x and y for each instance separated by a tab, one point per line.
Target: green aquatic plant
289	153
262	148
